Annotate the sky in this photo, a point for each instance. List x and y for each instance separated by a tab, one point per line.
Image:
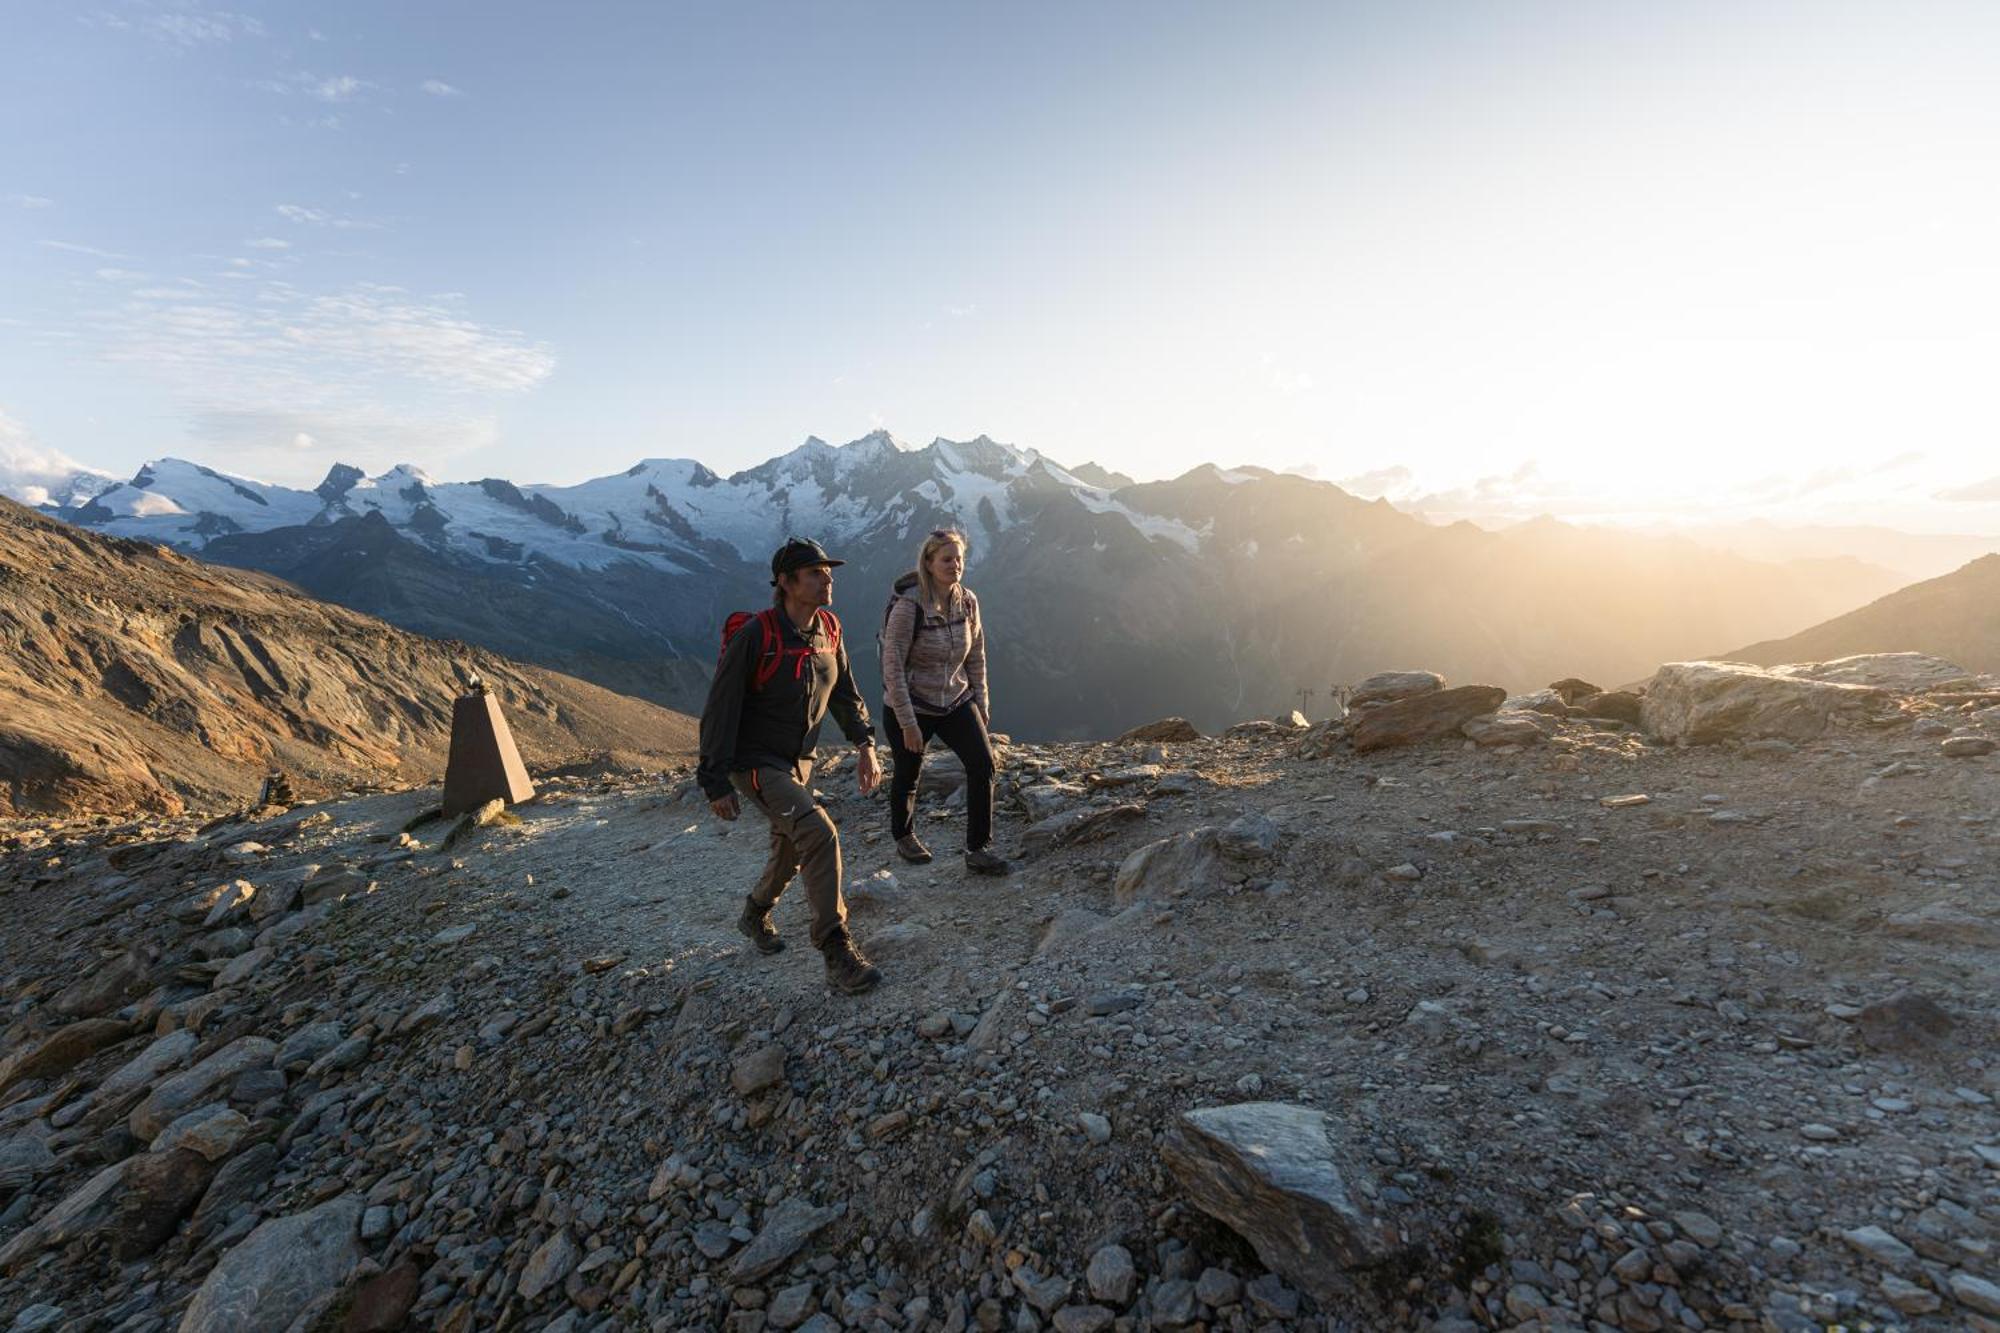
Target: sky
1612	261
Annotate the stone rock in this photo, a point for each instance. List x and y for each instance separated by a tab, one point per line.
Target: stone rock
62	1050
277	897
1105	1003
757	1070
1908	1297
1613	705
1173	1303
791	1306
786	1228
1251	837
1095	1127
1880	1246
428	1015
1167	730
1133	775
232	902
1389	686
213	1131
1083	1319
1906	1021
1967	747
1270	1171
24	1159
1943	924
1421	717
1045	1294
1542	703
307	1044
36	1318
241	969
1700	703
158	1190
1111	1275
278	1271
1572	690
1269	1296
1899	673
382	1304
86	1210
176	1095
241	1179
1508	727
1071	926
548	1265
1976	1293
1173	866
331	886
1087	824
1217	1287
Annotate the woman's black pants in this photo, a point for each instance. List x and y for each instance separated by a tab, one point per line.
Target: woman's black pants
965	732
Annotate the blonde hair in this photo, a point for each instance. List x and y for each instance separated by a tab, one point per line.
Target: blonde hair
935	542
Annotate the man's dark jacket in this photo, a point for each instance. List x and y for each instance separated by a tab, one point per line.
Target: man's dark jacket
775	726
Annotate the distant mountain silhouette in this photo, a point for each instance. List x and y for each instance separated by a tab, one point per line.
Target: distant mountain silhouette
1956	617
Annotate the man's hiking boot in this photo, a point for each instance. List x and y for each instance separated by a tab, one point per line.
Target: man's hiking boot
982	861
913	851
756	923
846	970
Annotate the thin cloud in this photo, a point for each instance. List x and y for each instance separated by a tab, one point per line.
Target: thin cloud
319	217
71	247
268	243
439	88
1979	492
119	275
339	88
29	468
319	87
30	201
184	26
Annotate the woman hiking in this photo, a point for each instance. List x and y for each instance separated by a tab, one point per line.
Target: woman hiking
934	684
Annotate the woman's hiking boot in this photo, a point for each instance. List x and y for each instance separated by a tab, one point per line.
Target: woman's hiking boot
756	923
982	861
913	851
847	971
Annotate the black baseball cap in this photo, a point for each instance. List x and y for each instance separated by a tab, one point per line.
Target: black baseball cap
799	553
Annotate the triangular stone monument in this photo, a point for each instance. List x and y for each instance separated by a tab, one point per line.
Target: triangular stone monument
484	762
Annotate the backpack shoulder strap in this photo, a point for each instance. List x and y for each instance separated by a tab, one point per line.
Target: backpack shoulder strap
832	626
769	648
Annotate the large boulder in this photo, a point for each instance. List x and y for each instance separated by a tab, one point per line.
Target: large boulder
1899	673
1168	868
62	1050
188	1089
1509	726
1699	703
279	1270
1421	717
1085	824
1167	730
1388	686
84	1211
104	988
1272	1172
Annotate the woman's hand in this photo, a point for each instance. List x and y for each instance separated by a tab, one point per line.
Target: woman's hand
913	740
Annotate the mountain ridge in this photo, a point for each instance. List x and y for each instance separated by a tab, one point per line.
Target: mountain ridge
1215	593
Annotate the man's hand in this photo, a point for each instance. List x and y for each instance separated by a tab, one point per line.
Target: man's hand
725	807
867	770
913	740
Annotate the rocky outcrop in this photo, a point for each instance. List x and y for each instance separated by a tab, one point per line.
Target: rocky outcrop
1696	703
1421	717
1274	1173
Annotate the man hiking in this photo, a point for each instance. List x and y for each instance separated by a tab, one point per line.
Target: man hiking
781	671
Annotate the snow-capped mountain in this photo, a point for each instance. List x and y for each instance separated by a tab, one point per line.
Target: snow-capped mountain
1217	594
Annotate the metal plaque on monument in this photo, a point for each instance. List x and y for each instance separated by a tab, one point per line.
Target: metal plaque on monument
484	761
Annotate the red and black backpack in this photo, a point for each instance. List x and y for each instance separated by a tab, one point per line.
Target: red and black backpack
771	650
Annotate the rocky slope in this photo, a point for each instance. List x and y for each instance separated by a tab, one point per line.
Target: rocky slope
1222	591
1541	1024
1956	617
135	678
